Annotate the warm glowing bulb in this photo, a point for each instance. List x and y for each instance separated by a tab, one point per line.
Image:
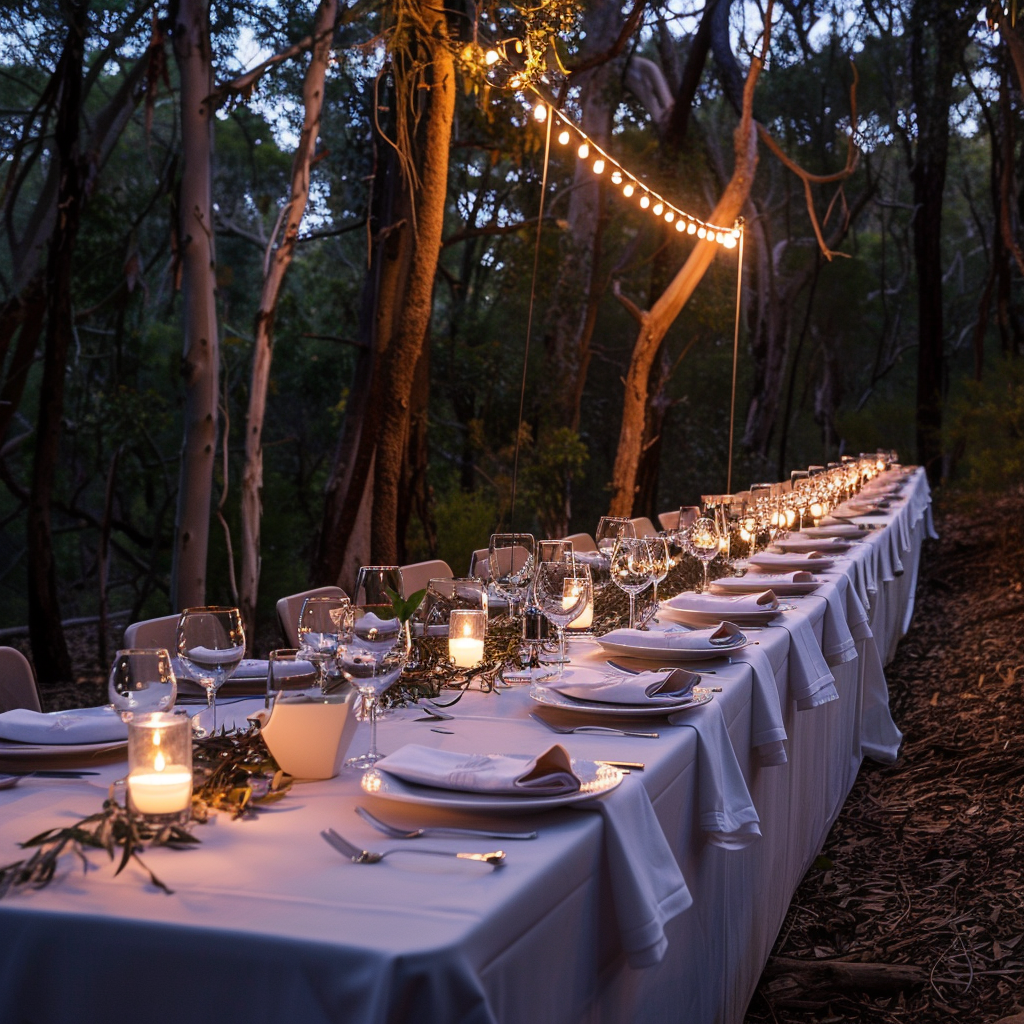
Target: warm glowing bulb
645	201
584	151
616	177
492	57
540	113
563	138
680	226
627	189
515	83
598	166
729	242
658	207
817	510
691	228
719	237
735	232
669	216
701	232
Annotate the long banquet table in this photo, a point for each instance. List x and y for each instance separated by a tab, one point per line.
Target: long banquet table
268	924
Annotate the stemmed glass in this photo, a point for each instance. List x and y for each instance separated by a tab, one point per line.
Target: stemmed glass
211	643
609	530
704	542
630	569
372	659
661	562
563	590
141	681
324	623
510	561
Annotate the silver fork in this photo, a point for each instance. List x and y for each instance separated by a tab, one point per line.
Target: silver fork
605	730
496	858
394	832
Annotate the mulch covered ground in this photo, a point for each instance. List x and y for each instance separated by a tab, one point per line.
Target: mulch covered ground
915	909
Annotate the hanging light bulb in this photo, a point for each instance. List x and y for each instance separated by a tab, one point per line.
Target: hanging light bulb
729	242
584	151
701	232
599	166
616	177
691	228
658	207
680	226
563	138
735	232
492	57
627	189
540	113
669	216
645	201
719	237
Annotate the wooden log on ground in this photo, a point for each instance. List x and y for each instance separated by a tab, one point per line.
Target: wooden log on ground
790	979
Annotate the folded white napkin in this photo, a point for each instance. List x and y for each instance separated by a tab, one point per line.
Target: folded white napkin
841	530
802	545
723	636
547	774
727	812
83	725
725	605
644	688
647	887
798	582
212	656
813	561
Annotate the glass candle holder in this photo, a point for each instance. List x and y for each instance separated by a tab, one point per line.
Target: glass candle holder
584	622
466	630
160	767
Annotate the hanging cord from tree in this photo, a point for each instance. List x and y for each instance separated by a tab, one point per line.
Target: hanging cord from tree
735	354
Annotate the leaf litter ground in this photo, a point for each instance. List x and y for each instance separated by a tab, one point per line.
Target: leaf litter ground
915	909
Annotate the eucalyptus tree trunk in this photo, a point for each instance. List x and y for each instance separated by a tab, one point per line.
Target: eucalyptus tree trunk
201	357
49	649
276	262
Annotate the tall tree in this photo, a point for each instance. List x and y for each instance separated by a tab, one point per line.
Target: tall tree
200	365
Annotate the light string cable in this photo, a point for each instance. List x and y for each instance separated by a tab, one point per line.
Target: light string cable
735	354
529	323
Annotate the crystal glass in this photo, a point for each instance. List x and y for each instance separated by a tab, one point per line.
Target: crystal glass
210	643
141	681
688	515
660	563
609	530
563	590
371	661
704	542
324	623
510	561
290	673
373	583
445	595
159	778
630	569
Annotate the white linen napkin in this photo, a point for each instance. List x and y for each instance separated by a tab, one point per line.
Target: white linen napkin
811	684
727	812
767	729
813	561
727	606
714	638
757	583
647	886
547	774
213	656
82	725
644	688
803	545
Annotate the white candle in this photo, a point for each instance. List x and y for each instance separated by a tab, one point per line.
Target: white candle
466	651
585	619
161	792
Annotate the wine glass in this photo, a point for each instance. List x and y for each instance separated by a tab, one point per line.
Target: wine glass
141	681
563	590
371	660
554	551
510	560
211	643
661	562
324	622
630	568
609	530
704	541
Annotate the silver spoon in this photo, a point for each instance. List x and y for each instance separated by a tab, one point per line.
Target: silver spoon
393	832
495	858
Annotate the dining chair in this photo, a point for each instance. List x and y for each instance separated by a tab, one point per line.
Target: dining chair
288	609
161	632
669	520
581	542
643	526
17	682
478	563
419	574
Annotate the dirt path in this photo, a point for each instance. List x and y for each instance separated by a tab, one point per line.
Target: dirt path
923	869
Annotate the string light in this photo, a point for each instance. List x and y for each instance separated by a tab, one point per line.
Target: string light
645	201
616	177
584	151
563	138
627	189
598	166
658	207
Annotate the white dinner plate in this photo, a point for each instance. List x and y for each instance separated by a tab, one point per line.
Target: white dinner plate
758	582
553	699
10	751
596	780
702	620
790	563
848	531
665	652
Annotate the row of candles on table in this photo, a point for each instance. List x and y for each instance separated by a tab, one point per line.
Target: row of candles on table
365	643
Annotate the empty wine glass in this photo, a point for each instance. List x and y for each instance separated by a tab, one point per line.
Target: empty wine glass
141	681
211	643
704	542
661	562
609	530
563	590
324	622
630	568
510	561
372	660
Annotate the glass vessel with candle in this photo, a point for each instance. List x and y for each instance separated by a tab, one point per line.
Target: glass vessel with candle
466	630
563	591
159	781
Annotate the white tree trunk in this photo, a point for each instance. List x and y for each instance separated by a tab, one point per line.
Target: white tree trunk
200	360
278	259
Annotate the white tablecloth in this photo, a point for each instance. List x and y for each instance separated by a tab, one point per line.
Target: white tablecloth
269	924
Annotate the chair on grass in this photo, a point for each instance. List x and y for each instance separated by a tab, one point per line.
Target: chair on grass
669	520
162	632
17	682
581	542
419	574
643	526
289	608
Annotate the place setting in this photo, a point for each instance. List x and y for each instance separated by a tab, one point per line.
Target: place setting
758	608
